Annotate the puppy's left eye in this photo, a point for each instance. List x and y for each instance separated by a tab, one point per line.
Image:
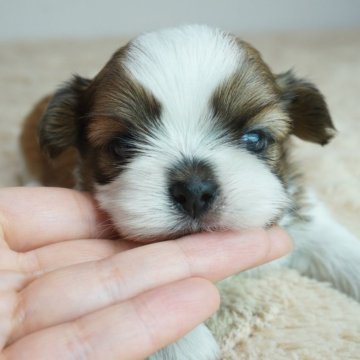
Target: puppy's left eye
255	141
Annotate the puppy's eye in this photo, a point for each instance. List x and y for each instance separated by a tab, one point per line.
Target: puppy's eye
255	141
122	146
116	148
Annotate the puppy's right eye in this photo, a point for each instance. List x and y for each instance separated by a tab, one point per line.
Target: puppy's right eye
115	148
122	146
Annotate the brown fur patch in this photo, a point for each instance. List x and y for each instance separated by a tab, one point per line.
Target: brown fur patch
58	172
251	98
85	116
59	127
117	106
102	130
116	95
307	108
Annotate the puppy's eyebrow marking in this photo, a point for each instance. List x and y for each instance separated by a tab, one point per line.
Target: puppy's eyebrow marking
249	114
118	96
98	114
103	128
240	114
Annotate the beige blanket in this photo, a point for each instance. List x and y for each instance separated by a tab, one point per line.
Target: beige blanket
282	315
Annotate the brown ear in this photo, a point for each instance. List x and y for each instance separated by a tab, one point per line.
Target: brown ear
307	108
59	128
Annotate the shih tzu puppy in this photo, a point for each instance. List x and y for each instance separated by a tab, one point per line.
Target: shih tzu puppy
187	130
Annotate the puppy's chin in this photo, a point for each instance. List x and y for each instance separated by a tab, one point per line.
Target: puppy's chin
155	238
146	239
190	227
194	228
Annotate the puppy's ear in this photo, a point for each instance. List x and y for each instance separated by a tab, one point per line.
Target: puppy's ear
307	108
59	128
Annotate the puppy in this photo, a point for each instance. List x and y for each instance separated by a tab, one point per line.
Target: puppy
187	130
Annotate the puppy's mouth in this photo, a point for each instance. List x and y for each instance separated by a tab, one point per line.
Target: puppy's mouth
185	226
170	235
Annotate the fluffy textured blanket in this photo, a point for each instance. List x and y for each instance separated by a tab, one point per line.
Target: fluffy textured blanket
280	315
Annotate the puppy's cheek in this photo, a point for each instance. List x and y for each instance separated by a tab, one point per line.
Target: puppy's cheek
251	194
138	201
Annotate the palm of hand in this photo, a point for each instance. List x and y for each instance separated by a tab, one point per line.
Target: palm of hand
31	260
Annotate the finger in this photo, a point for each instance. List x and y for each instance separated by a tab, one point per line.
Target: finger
220	255
11	281
130	330
64	254
90	286
34	217
59	255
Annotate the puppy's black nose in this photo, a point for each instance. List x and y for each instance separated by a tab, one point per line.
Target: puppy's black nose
194	195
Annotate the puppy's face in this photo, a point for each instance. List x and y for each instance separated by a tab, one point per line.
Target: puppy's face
185	130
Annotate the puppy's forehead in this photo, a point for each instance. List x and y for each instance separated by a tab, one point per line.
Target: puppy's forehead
183	66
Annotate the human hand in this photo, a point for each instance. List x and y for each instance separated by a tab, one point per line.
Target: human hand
67	291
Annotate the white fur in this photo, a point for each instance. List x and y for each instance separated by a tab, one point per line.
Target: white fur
325	250
139	203
182	67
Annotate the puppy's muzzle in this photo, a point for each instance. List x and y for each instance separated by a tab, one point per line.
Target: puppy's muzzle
193	188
